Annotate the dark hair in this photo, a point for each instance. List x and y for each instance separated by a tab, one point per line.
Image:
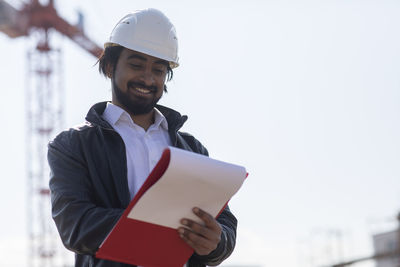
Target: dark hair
110	56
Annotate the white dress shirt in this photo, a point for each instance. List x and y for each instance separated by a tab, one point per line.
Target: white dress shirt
143	148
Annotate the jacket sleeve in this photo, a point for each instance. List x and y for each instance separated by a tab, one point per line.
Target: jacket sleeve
81	224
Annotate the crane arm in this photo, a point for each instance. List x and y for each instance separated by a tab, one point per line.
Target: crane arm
76	35
16	23
11	21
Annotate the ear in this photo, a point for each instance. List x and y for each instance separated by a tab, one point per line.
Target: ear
109	71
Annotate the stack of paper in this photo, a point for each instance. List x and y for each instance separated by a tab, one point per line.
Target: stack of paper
146	234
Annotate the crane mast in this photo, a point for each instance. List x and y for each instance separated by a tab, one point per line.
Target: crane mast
44	114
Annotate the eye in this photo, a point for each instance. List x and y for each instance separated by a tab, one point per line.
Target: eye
135	66
159	71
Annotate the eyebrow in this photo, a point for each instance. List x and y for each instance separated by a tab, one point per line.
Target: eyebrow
135	56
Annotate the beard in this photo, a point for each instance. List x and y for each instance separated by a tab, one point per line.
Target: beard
135	105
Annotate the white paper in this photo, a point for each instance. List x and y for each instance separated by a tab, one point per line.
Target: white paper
191	180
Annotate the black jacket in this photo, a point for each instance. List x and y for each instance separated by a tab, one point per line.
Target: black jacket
89	188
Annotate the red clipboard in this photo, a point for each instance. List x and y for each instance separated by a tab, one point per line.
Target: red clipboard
143	243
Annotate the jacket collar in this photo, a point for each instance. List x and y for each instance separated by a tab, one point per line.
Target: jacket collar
175	119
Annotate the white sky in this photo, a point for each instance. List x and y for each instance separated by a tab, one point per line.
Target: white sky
305	94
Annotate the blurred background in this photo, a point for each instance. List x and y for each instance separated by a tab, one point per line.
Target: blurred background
304	94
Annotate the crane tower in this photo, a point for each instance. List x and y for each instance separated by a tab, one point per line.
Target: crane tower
44	112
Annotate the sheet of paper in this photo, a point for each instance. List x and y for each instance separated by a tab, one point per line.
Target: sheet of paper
191	180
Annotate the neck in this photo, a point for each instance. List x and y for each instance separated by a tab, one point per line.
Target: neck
143	120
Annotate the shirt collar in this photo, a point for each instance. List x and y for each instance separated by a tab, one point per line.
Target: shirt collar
114	113
160	120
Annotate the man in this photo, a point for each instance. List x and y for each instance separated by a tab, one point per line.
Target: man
98	167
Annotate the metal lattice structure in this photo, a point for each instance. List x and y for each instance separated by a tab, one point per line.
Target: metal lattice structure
44	108
44	114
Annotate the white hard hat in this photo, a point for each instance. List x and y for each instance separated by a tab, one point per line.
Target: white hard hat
147	31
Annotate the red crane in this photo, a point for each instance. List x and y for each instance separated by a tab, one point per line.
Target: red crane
35	16
44	104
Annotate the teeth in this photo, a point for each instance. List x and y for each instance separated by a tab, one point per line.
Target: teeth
144	91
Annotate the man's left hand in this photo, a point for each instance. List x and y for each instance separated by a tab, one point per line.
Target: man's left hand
202	238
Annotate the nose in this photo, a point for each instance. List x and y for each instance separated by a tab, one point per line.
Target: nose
147	78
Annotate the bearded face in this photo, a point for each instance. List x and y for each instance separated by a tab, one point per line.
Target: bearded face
138	81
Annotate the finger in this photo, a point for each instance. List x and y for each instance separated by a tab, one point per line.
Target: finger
194	239
200	229
199	244
209	220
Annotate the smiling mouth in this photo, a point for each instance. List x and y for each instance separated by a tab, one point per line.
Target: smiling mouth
141	90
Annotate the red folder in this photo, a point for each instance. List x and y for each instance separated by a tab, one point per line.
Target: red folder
141	243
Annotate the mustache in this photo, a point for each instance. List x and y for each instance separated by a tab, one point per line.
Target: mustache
141	85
